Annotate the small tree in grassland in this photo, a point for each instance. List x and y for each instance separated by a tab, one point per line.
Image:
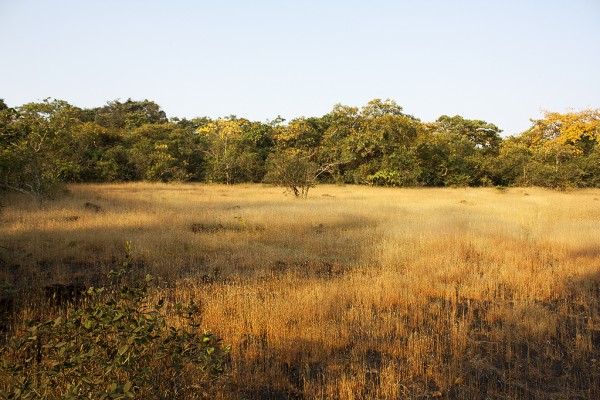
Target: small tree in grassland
293	170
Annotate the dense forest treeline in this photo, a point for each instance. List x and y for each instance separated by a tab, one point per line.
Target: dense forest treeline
49	143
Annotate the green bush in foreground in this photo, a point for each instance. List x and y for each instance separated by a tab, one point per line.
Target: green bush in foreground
115	345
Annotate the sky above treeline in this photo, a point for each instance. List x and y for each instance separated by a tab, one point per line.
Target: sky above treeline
500	61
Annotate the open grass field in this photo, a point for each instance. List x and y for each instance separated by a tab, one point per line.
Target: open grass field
353	293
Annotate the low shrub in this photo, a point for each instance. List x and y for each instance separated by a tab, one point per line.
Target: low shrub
115	344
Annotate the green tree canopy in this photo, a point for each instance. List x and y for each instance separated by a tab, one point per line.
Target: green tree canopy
48	143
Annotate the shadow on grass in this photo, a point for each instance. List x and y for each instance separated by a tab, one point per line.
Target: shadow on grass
500	360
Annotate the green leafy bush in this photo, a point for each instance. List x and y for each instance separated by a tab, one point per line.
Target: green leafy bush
114	345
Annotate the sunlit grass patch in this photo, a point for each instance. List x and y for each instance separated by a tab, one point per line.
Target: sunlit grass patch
355	292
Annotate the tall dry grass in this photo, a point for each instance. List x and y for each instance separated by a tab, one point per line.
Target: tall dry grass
354	293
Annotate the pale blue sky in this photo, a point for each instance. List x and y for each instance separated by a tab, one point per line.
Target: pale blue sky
501	61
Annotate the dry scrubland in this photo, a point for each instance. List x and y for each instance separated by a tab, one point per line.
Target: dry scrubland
354	293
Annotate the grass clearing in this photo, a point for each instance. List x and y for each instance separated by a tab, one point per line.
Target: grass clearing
353	293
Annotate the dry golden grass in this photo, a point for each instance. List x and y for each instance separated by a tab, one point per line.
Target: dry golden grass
354	293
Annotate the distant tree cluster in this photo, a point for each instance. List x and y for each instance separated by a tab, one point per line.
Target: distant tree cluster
46	144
